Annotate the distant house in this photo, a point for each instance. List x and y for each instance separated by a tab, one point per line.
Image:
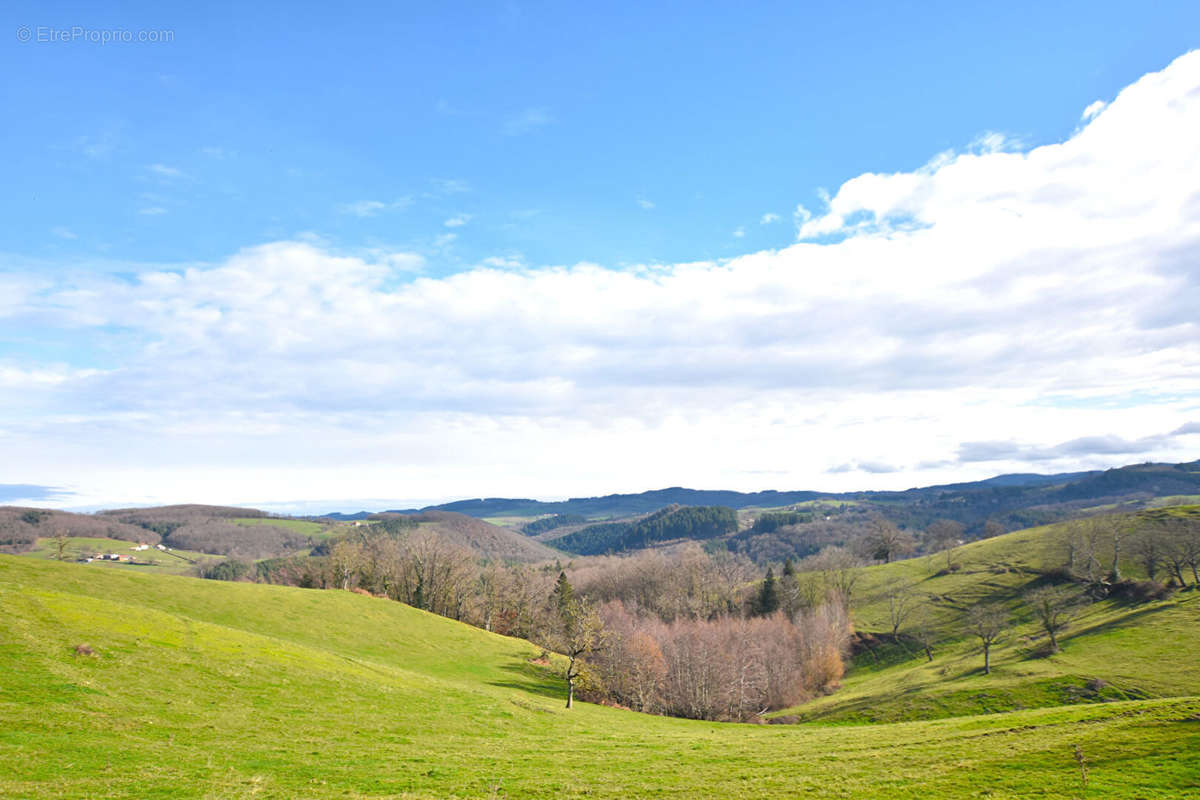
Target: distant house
161	546
142	547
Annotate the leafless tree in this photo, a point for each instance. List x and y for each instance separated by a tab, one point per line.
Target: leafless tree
61	540
923	630
901	600
1053	608
884	541
944	535
988	622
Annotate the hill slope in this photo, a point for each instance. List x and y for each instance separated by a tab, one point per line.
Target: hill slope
489	541
215	690
1114	649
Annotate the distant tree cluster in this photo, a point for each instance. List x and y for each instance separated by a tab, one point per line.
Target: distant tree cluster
673	522
773	521
551	523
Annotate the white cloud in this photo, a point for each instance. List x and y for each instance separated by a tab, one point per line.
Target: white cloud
527	121
63	232
371	208
457	221
739	232
768	218
644	203
152	211
1093	110
450	185
164	171
989	312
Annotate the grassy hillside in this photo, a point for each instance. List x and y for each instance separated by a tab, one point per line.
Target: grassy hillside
1114	649
217	690
171	562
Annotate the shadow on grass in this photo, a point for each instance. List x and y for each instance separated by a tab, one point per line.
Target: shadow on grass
532	679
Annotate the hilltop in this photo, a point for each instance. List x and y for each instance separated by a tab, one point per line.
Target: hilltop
128	685
1013	501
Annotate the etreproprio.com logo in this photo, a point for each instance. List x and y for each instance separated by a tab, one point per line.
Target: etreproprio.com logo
74	34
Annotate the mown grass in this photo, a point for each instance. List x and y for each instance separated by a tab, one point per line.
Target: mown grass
215	690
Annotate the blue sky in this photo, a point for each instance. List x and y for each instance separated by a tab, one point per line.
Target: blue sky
547	229
559	122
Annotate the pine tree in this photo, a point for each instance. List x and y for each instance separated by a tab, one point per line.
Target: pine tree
768	595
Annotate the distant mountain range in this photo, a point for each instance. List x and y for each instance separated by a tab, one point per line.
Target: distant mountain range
1015	500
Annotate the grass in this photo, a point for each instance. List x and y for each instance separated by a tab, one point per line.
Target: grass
300	526
202	689
173	562
1134	651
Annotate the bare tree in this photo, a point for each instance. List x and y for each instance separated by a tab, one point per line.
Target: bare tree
988	622
61	539
1148	549
1053	608
992	528
901	600
943	536
884	541
924	631
839	570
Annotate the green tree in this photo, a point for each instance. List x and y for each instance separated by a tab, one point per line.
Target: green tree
767	601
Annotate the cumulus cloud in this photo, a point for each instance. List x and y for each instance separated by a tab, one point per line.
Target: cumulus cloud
991	310
457	221
768	218
644	203
1093	109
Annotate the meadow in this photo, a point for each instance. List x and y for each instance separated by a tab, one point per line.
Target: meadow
119	684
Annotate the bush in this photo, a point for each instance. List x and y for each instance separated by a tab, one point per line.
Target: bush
1139	591
1056	575
231	570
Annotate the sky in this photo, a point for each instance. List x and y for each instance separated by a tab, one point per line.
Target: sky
316	258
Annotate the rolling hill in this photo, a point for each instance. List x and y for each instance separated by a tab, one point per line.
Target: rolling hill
1113	649
118	684
1015	501
483	538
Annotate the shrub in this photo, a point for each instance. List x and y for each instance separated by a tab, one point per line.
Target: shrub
1139	591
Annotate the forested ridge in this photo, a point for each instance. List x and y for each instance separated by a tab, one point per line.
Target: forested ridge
673	522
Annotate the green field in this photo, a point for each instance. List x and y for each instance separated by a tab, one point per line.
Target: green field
1134	650
300	526
217	690
172	562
